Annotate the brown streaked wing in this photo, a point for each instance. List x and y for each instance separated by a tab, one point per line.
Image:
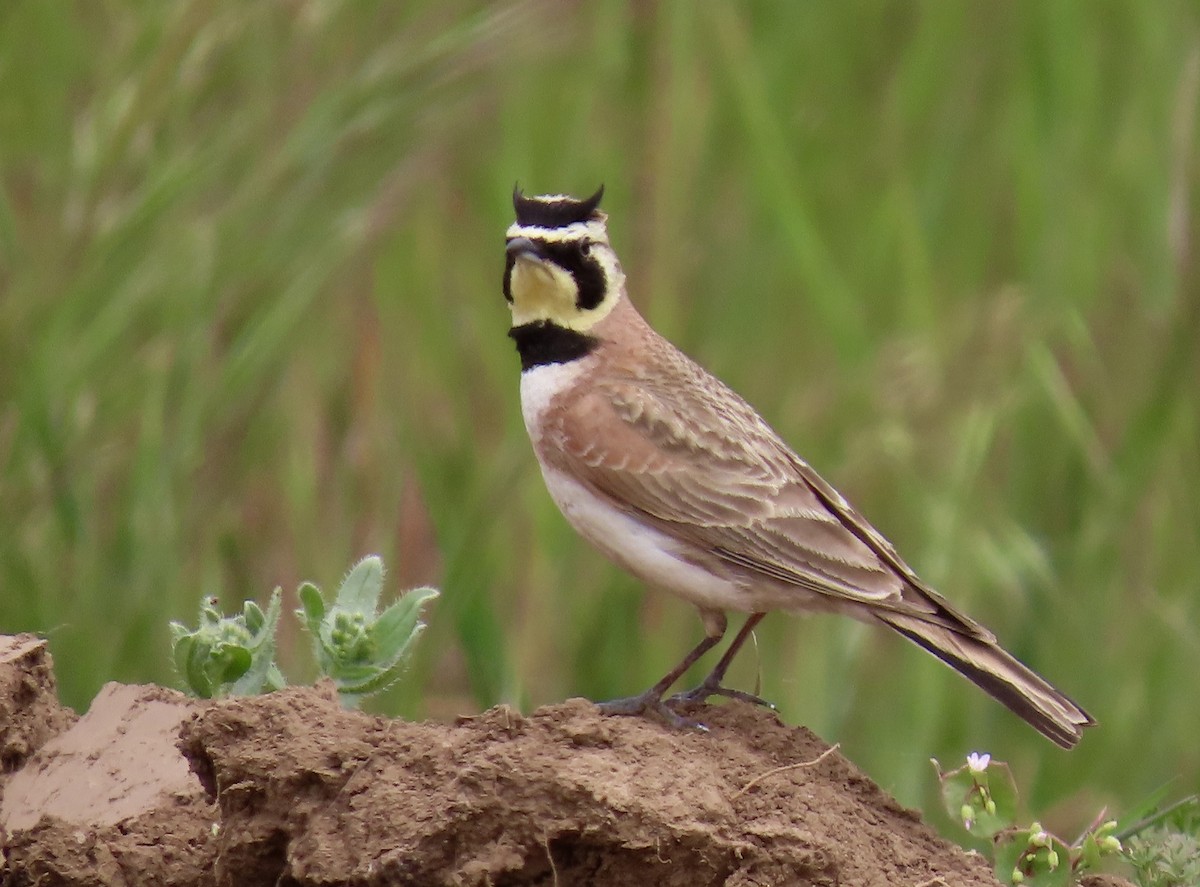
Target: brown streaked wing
915	592
696	462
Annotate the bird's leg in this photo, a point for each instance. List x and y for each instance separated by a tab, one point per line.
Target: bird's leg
652	699
711	685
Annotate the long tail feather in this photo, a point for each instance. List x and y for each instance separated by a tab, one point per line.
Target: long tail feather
1024	691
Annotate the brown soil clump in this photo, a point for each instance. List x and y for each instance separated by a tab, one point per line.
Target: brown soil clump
30	712
111	801
291	789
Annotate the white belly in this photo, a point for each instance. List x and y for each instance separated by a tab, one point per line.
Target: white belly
645	552
648	554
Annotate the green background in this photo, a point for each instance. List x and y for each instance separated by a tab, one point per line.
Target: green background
251	329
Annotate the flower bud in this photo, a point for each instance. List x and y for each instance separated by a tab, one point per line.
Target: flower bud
967	813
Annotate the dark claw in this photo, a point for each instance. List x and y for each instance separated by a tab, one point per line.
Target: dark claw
649	703
701	694
652	702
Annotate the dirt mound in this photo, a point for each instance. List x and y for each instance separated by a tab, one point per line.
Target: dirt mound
289	788
30	713
111	801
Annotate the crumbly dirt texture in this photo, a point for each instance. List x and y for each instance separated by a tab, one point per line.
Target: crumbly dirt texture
30	713
150	787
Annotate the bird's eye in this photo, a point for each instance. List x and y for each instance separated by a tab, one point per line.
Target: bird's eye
585	248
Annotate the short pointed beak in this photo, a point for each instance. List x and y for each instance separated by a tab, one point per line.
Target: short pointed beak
522	246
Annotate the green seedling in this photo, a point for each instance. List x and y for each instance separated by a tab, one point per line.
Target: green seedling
1033	856
361	650
1164	846
982	795
229	655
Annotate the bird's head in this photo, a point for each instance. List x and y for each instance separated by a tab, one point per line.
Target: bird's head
560	267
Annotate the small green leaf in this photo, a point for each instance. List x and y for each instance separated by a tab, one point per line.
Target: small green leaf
1003	790
253	616
381	679
228	663
990	795
396	627
313	607
1098	843
254	678
1032	857
189	662
361	589
182	642
275	678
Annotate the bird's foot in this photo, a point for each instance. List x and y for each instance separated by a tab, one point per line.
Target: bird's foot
650	703
711	686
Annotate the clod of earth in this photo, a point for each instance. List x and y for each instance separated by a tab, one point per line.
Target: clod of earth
152	787
29	709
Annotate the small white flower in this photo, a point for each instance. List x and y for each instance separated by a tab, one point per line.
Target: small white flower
978	763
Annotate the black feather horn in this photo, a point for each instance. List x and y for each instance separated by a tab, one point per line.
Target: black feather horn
554	212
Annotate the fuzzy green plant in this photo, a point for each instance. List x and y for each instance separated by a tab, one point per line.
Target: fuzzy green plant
229	655
1164	849
362	650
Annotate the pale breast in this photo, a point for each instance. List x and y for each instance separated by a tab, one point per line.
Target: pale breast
648	554
645	552
540	385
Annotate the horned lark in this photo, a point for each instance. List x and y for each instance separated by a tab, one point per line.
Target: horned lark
679	481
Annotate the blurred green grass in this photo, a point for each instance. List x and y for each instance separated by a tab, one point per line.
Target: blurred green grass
251	329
